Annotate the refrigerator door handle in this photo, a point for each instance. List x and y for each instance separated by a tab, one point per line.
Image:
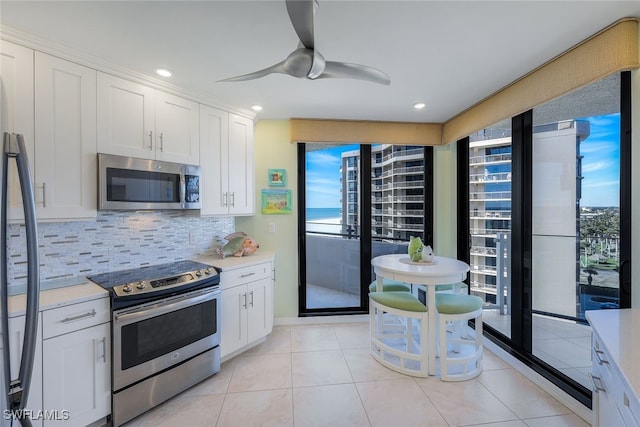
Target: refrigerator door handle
14	147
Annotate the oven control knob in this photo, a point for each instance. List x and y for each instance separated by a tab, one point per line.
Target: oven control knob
127	288
140	285
207	271
199	273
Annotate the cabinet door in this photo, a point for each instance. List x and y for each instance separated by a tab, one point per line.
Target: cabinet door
16	110
126	118
16	336
65	139
259	309
177	130
605	411
77	375
241	174
214	181
233	335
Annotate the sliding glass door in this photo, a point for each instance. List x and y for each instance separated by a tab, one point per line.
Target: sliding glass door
548	202
576	222
352	210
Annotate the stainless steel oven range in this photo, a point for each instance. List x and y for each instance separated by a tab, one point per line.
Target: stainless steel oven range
165	333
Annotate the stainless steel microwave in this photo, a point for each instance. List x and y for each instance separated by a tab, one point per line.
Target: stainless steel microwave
130	183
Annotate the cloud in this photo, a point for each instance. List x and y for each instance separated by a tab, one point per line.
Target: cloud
323	158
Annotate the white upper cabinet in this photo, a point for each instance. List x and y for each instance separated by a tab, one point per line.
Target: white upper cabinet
52	102
65	139
214	174
177	138
16	110
227	176
137	121
125	117
241	173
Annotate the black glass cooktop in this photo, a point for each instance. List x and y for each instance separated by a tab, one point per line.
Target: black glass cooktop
150	272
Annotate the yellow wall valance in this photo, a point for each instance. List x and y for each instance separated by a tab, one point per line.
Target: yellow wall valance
612	50
365	132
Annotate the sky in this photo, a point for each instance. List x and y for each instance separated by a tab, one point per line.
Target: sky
600	168
323	177
601	162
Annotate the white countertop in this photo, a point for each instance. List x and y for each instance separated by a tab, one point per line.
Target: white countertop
84	290
619	331
233	262
58	297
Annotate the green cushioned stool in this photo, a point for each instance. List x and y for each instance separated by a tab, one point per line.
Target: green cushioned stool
462	288
389	285
460	354
398	342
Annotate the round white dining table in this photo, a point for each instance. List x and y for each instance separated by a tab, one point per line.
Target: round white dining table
440	271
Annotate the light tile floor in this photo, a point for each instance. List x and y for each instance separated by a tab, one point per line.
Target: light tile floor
323	375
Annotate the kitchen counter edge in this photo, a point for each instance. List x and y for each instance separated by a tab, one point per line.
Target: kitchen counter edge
58	297
232	262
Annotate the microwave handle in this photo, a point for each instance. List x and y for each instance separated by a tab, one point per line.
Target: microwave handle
183	190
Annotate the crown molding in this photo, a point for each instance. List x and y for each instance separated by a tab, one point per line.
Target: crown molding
87	59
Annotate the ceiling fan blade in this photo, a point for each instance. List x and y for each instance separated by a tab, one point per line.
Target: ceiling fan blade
277	68
345	70
301	15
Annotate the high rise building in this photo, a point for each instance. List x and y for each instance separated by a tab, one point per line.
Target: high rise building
556	211
397	193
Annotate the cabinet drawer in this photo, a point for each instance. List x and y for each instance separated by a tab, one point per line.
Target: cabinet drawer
245	275
74	317
611	381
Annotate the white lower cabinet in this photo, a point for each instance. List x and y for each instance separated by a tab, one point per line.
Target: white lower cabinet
614	404
16	337
76	385
247	306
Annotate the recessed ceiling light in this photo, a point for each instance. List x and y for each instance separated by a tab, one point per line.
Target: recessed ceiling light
163	72
256	107
419	105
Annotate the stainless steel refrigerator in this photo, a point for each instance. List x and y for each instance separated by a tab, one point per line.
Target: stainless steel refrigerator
15	391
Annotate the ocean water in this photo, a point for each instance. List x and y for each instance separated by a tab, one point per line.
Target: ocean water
322	213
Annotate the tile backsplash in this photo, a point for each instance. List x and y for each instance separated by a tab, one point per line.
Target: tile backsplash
116	240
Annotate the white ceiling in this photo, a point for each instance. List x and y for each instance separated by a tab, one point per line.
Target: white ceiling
448	54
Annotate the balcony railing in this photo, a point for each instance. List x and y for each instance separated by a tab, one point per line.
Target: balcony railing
491	195
490	158
488	231
483	251
491	177
484	214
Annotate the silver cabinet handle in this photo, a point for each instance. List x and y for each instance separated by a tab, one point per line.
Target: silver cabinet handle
233	199
91	313
597	388
245	301
102	344
226	199
44	194
150	146
161	142
599	354
247	275
251	298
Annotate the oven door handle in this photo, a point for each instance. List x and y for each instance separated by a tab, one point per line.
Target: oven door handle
164	307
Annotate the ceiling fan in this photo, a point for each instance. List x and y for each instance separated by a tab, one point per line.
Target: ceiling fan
306	61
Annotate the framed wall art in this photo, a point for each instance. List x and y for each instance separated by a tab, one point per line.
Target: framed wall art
277	177
276	202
